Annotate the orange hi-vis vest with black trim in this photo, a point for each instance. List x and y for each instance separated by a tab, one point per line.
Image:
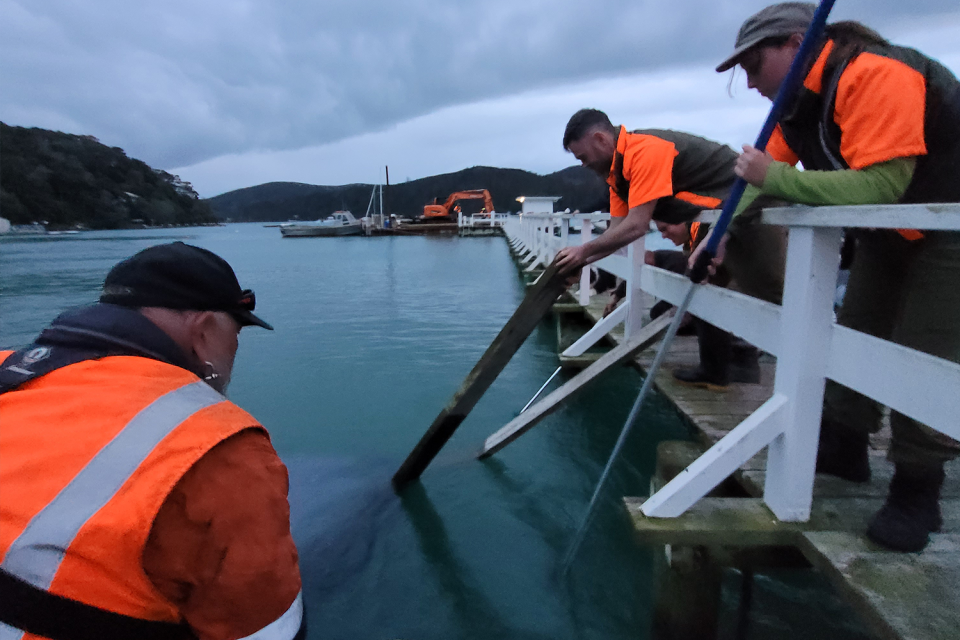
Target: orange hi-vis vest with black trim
873	105
88	454
683	173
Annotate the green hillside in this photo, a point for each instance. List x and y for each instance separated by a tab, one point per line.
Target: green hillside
69	181
578	188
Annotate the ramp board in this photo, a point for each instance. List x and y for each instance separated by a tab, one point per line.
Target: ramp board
525	421
537	303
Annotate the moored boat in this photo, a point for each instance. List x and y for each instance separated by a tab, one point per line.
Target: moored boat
340	223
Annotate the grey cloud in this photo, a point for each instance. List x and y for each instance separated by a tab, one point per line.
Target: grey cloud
179	82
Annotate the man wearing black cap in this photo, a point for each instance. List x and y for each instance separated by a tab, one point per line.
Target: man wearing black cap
139	501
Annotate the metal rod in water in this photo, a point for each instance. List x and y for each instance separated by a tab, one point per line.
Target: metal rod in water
644	390
537	394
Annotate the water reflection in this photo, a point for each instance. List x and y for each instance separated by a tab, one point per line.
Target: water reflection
473	610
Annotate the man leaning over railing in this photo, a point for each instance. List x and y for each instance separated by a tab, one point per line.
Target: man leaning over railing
671	176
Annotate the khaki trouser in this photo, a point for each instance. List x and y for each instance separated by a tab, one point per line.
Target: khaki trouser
909	293
756	255
754	265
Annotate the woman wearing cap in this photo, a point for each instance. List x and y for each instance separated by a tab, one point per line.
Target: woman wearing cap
874	123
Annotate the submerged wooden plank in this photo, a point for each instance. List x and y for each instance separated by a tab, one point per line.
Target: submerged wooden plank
566	307
536	304
712	521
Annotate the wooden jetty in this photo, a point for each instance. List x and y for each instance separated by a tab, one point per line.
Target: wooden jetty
464	225
722	509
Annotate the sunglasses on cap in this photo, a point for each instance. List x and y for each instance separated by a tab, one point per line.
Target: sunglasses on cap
248	300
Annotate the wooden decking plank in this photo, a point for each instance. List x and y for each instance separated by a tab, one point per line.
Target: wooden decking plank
901	595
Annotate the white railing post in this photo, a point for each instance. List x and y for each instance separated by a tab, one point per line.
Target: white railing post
547	238
586	235
634	322
535	239
813	258
551	241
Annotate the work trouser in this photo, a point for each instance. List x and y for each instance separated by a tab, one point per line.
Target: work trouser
756	255
754	265
909	293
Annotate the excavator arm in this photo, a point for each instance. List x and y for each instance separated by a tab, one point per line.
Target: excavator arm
443	210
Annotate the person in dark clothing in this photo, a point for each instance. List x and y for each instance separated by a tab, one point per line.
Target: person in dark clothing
724	357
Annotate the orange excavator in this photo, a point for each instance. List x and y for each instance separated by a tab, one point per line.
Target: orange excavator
440	212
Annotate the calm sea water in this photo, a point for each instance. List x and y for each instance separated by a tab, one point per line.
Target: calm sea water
373	335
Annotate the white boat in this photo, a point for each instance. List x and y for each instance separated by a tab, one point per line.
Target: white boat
340	223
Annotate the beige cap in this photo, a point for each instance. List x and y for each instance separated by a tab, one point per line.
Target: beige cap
782	19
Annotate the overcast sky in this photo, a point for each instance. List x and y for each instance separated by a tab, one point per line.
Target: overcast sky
233	93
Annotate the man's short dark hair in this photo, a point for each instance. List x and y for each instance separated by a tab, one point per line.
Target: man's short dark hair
582	122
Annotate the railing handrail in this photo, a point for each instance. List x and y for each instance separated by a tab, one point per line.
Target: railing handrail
596	215
939	216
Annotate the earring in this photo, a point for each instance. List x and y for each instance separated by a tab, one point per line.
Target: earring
211	373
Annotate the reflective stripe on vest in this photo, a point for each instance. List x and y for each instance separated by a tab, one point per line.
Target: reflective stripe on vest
36	554
286	627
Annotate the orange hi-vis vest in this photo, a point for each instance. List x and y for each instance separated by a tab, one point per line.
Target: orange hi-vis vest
683	173
88	454
873	104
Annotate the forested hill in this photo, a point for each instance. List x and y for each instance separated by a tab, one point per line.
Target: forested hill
578	188
70	181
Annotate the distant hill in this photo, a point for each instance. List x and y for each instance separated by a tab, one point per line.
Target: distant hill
66	181
579	188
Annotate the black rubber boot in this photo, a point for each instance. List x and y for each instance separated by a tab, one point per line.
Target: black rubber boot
912	509
660	308
744	363
715	352
843	453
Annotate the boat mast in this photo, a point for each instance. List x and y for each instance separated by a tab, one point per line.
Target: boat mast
381	195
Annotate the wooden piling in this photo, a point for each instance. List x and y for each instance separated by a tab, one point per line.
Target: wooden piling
687	579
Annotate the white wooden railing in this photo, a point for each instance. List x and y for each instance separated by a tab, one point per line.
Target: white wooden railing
482	220
801	333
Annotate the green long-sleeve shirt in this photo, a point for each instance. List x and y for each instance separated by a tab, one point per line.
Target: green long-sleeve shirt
881	183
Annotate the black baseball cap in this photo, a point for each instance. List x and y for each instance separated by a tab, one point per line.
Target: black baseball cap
180	276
